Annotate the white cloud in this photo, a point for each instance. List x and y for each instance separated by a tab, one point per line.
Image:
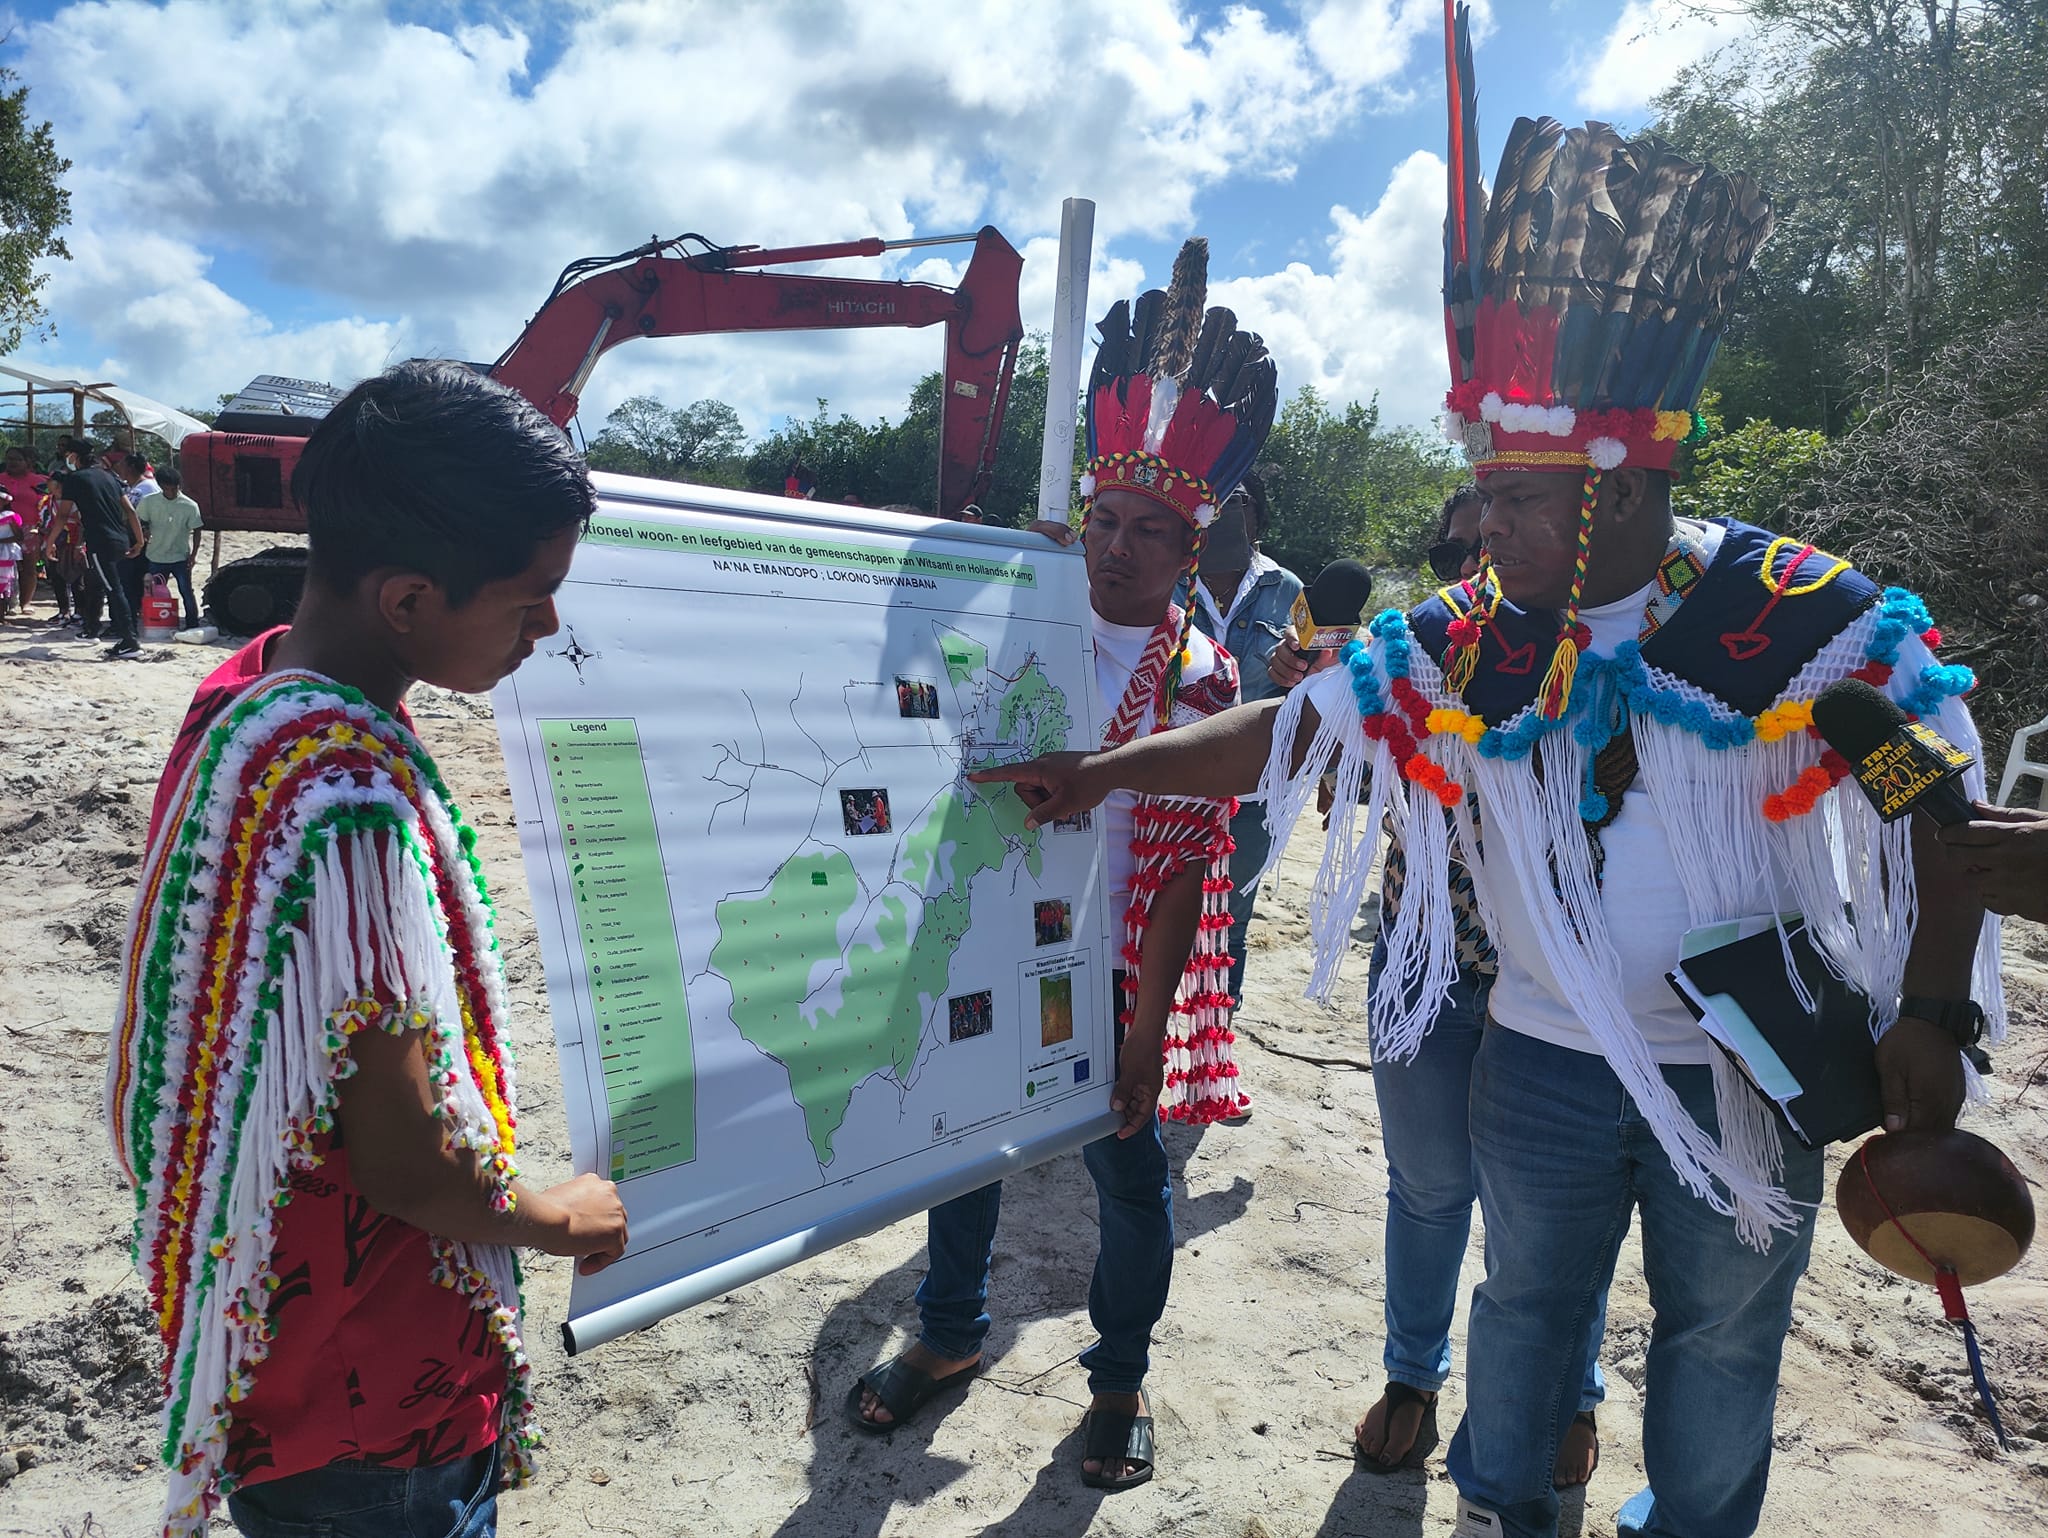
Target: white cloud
1374	321
383	188
1645	50
1366	42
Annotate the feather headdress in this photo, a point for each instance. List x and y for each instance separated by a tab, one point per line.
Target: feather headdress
1582	305
1584	301
1180	400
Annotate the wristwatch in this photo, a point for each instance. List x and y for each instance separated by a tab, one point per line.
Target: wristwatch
1961	1018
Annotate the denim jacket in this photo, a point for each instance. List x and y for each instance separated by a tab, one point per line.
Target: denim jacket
1254	625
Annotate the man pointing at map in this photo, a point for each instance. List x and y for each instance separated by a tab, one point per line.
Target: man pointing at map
1178	405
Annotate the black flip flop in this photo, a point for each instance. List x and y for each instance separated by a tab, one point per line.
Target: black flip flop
1584	1418
1399	1396
903	1391
1107	1434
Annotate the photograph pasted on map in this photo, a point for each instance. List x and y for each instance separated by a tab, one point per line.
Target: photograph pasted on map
1055	1009
970	1015
864	811
1075	822
1052	921
917	699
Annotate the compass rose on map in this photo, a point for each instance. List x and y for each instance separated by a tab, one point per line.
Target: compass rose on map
577	654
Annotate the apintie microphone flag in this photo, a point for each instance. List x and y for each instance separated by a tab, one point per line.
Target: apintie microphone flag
1326	613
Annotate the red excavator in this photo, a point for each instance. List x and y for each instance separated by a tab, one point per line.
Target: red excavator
241	471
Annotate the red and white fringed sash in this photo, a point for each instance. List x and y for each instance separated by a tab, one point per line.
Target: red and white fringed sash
1168	835
1201	1068
1136	707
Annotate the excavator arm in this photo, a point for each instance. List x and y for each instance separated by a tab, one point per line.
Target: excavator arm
657	291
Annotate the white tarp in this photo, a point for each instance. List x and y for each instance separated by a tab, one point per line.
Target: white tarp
143	414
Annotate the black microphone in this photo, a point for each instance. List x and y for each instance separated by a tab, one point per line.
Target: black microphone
1326	613
1903	766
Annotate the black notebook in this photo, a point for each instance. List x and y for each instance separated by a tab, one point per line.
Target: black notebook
1817	1068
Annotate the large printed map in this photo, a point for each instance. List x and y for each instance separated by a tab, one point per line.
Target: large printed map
839	967
799	965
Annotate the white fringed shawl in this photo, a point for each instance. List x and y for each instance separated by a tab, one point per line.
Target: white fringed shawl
1851	874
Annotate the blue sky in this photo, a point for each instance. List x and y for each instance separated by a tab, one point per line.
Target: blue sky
318	187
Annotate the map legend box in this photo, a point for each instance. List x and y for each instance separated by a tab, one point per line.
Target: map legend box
626	930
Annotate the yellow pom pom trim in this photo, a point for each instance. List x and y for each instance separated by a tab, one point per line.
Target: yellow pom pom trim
1456	723
1785	720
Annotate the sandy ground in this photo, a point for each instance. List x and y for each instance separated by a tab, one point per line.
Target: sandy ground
727	1420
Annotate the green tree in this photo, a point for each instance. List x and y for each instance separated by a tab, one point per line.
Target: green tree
1750	474
845	457
34	206
701	442
1342	484
907	452
1943	489
896	464
1905	145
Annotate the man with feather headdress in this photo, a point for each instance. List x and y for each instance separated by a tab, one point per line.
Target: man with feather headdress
1628	698
1178	404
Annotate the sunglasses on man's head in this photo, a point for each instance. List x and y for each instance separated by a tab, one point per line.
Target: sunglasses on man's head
1447	558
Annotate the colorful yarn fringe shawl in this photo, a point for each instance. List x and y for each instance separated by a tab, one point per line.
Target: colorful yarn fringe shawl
1736	792
311	877
1167	836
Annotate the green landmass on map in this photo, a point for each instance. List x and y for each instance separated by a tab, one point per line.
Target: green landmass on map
1033	708
965	656
770	946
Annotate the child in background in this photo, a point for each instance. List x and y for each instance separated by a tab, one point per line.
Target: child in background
10	556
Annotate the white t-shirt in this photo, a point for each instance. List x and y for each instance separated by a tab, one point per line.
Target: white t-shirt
1646	911
1644	904
1117	650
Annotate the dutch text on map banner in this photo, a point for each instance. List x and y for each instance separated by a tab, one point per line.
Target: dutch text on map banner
806	979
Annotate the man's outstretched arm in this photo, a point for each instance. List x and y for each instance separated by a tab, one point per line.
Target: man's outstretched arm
1221	756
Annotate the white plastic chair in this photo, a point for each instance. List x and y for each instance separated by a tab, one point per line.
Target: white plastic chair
2018	763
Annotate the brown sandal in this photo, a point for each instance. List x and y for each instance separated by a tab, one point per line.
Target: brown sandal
1583	1418
1398	1397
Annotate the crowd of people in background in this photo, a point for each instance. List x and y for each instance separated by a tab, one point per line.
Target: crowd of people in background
93	530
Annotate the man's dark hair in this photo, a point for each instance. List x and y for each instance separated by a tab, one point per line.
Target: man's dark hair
1258	511
138	463
169	477
1452	503
434	468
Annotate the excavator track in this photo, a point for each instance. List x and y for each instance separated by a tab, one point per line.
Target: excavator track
248	596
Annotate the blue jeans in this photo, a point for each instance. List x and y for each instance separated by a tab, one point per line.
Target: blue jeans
367	1500
1248	831
1132	1268
1424	1121
1564	1158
